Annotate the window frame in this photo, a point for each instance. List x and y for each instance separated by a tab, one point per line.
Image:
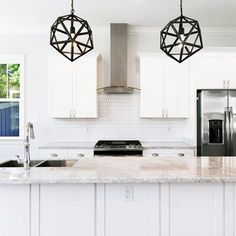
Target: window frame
16	59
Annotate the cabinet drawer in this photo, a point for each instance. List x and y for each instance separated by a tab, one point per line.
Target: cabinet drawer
80	153
155	153
54	154
182	153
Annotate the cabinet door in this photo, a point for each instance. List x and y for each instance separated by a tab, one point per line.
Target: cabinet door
85	88
15	210
194	209
212	71
177	89
232	72
156	153
67	210
152	84
60	73
131	210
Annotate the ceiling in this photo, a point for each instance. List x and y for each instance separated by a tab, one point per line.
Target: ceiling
143	13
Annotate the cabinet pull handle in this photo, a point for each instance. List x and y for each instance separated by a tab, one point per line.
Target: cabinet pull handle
223	83
181	155
80	155
54	155
155	154
163	113
227	83
166	113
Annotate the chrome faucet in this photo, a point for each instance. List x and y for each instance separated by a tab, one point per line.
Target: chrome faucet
29	135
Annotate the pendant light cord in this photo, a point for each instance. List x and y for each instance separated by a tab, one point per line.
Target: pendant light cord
72	7
181	7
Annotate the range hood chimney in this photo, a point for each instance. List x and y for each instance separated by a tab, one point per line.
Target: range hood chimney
118	62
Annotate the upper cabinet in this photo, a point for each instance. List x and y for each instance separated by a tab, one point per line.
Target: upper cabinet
216	70
164	87
73	87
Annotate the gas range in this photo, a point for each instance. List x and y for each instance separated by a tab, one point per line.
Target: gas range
118	148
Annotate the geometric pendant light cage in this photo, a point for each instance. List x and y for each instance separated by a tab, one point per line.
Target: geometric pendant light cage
71	35
181	37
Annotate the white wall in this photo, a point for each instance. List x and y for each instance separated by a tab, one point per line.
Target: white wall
119	113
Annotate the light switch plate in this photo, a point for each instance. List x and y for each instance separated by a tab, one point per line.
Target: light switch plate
128	193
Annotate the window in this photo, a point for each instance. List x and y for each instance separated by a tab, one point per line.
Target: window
11	96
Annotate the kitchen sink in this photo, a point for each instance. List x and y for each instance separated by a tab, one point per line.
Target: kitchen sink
14	163
57	163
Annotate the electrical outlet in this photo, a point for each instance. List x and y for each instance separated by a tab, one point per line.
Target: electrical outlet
128	193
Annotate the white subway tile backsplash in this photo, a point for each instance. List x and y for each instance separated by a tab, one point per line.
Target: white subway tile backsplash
119	119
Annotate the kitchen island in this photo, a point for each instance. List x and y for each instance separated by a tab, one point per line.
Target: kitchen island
121	196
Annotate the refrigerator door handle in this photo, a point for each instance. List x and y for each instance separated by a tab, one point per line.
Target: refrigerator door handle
231	127
227	131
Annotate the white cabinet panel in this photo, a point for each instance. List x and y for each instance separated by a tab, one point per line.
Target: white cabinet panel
73	87
196	209
67	210
152	83
61	96
85	86
80	153
232	72
131	210
164	87
177	89
168	152
15	210
54	154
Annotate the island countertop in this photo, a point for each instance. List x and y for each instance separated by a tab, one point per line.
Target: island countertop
128	170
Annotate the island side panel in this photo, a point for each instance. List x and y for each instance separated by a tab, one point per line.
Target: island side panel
15	210
194	209
131	209
67	209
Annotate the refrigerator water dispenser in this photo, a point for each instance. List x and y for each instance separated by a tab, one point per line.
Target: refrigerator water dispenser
215	131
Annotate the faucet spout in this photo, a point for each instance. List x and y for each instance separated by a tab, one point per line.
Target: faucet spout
29	135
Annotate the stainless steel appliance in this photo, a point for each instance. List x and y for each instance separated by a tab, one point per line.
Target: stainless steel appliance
118	148
216	122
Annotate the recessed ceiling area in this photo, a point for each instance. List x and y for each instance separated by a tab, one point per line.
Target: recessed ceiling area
142	13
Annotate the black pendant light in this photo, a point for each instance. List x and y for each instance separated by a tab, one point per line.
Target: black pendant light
71	35
181	37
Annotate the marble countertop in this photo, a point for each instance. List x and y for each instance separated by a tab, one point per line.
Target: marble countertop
129	170
90	145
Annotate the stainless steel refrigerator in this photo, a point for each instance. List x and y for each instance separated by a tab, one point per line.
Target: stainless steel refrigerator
216	122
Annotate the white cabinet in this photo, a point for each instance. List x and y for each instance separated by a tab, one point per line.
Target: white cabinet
73	87
67	209
131	209
193	209
66	154
168	152
216	70
164	87
80	153
15	210
152	84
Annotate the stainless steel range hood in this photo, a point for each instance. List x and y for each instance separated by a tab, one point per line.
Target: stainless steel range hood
118	83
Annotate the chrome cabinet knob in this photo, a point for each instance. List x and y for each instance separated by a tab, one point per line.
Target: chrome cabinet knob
80	155
181	155
155	154
54	155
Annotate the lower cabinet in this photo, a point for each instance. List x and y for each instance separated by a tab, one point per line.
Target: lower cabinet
175	209
193	209
131	210
149	152
67	210
14	210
